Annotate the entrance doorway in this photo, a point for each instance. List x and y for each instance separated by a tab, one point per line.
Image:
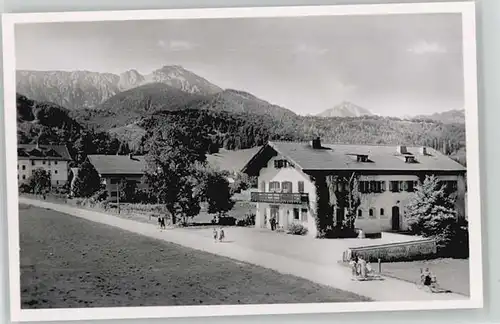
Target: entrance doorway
395	218
274	216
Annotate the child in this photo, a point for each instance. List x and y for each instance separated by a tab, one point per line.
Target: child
215	234
221	234
362	267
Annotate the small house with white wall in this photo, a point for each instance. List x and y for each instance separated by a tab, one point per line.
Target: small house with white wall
52	158
290	173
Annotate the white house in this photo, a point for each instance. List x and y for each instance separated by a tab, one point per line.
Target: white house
289	174
52	158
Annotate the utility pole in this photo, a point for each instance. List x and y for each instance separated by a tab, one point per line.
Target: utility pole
118	196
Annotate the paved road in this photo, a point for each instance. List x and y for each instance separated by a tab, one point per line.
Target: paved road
331	275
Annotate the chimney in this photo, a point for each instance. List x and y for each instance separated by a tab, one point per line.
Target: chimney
423	150
402	149
316	143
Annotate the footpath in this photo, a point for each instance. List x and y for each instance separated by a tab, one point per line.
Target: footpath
337	276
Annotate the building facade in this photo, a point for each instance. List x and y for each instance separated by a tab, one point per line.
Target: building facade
113	169
52	158
289	175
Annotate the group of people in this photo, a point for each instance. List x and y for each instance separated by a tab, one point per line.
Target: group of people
360	269
428	280
161	222
219	234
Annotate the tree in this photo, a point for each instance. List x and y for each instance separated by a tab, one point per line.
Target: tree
174	151
39	182
127	190
217	192
241	182
431	213
87	181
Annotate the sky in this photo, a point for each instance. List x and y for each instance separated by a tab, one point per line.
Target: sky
392	65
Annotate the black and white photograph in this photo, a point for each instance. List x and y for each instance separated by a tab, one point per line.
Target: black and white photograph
242	161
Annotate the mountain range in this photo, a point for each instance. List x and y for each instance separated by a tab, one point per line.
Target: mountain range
345	109
85	89
447	117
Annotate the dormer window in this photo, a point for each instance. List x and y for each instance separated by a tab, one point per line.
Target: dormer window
362	158
410	159
278	164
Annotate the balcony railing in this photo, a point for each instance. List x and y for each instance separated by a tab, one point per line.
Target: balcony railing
280	197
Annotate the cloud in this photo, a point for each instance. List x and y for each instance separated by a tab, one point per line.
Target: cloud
176	45
424	47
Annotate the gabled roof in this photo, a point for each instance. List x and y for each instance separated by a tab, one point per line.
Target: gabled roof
118	164
43	152
331	157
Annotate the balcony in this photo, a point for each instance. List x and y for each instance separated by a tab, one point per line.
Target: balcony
280	198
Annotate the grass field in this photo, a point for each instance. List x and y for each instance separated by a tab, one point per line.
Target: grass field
70	262
451	274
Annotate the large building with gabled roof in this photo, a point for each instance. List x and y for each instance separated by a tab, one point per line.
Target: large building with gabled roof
52	158
289	172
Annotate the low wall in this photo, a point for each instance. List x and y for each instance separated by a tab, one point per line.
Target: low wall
392	252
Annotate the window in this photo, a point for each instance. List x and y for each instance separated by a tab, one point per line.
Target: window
450	186
303	215
274	186
371	186
24	177
114	193
394	186
301	186
24	167
410	159
296	214
32	162
18	166
410	186
57	182
371	212
43	162
360	213
286	186
362	158
278	164
55	162
114	181
263	186
382	212
55	171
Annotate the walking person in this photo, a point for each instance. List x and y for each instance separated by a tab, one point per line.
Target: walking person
221	235
362	267
273	224
216	234
354	267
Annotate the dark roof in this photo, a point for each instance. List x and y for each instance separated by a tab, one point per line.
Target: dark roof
231	161
343	157
118	164
43	152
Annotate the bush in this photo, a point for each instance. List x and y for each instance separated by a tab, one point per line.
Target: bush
297	229
227	221
25	188
340	233
249	220
453	242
